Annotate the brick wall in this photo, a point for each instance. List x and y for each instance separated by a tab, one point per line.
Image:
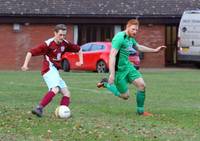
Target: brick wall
152	36
7	48
14	45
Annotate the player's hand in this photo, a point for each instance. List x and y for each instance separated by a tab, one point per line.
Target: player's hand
24	68
111	79
79	64
158	49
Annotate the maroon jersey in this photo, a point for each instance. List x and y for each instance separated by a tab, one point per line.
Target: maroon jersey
52	53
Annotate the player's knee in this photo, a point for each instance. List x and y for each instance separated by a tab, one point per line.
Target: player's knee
141	87
67	93
124	96
55	90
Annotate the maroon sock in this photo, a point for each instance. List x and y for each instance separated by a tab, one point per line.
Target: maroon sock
65	101
47	98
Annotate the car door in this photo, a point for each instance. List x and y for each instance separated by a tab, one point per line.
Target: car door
86	48
72	58
93	55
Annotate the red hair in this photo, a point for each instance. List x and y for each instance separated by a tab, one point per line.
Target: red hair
132	22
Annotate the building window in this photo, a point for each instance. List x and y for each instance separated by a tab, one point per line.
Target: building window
171	43
93	33
75	34
117	28
16	27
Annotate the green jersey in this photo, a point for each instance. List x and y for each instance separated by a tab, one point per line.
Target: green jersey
122	42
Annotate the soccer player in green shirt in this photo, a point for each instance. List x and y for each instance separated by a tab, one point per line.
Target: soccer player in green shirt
121	69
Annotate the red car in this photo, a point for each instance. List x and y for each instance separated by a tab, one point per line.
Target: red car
95	58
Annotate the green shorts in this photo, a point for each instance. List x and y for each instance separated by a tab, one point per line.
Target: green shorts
122	78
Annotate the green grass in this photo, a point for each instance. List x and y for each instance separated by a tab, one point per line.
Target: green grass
172	95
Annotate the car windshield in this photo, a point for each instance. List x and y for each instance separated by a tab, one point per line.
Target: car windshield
86	47
92	47
97	47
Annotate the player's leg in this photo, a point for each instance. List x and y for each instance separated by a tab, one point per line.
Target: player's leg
49	96
119	89
110	87
135	77
125	95
122	87
45	101
65	100
140	96
52	80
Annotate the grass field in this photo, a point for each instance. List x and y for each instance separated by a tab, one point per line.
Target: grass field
172	95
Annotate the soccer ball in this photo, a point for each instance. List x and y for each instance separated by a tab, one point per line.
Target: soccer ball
62	112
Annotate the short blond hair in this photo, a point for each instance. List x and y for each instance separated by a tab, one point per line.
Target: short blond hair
132	22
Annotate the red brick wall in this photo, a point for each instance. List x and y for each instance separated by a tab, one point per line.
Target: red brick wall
152	36
7	49
14	45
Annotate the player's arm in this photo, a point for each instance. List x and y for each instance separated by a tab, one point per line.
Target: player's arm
26	61
143	48
80	55
39	50
112	61
75	48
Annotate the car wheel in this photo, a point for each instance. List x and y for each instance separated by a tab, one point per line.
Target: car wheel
66	65
101	67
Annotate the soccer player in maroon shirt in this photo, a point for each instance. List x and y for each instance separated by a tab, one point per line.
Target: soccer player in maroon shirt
52	50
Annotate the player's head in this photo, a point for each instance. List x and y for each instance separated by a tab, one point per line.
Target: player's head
60	32
132	27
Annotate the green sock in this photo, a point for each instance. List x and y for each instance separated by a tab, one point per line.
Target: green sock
140	98
112	88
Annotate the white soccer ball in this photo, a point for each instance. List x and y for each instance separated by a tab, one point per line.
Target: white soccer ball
62	112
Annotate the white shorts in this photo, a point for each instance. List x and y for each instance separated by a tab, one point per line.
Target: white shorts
53	79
